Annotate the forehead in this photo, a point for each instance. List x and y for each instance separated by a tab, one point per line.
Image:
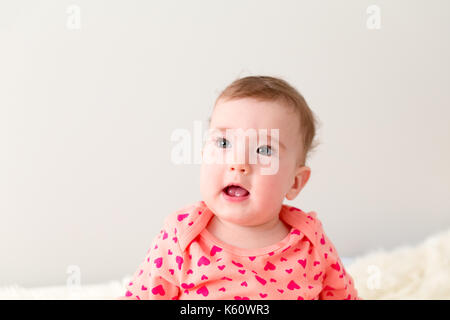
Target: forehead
249	113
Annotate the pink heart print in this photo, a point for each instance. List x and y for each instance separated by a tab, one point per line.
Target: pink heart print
158	290
237	264
269	266
203	261
203	290
336	266
179	261
302	262
215	249
182	216
292	285
187	286
261	280
158	262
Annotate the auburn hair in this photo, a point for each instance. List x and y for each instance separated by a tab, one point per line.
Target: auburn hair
266	88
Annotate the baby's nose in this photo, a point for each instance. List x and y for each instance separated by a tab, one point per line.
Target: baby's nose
241	168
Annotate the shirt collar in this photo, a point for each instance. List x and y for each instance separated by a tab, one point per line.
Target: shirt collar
303	222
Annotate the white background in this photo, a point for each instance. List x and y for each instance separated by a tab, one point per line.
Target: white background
86	116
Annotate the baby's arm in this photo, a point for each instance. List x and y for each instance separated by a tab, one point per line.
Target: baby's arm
337	283
156	278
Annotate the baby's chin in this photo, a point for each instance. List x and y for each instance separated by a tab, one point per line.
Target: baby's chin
237	217
243	215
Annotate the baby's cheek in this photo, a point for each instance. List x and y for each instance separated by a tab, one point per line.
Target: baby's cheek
209	179
213	156
269	187
267	165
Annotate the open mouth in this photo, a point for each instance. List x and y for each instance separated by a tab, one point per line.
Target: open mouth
236	191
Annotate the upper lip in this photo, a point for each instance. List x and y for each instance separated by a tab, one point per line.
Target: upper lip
236	184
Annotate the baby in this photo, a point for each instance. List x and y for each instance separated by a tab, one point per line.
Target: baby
241	242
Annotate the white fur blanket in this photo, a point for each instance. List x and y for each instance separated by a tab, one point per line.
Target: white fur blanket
407	272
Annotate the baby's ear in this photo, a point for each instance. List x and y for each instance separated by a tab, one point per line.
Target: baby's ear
300	179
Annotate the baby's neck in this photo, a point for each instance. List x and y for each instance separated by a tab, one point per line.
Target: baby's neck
252	237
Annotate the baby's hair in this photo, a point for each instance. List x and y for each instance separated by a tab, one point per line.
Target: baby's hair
265	88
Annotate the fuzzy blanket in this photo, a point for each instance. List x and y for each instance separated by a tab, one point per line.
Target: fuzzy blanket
407	272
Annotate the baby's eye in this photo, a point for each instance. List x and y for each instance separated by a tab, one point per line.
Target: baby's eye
267	150
220	142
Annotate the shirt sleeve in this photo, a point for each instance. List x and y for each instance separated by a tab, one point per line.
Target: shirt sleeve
337	283
156	278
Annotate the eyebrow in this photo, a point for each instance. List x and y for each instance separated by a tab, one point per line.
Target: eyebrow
279	142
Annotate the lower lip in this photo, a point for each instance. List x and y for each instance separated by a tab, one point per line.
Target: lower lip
234	199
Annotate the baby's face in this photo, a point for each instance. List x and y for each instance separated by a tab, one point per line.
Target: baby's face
266	190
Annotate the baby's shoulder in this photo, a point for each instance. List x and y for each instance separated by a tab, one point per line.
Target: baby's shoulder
187	222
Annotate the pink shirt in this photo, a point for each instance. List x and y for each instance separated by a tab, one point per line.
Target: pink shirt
187	262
